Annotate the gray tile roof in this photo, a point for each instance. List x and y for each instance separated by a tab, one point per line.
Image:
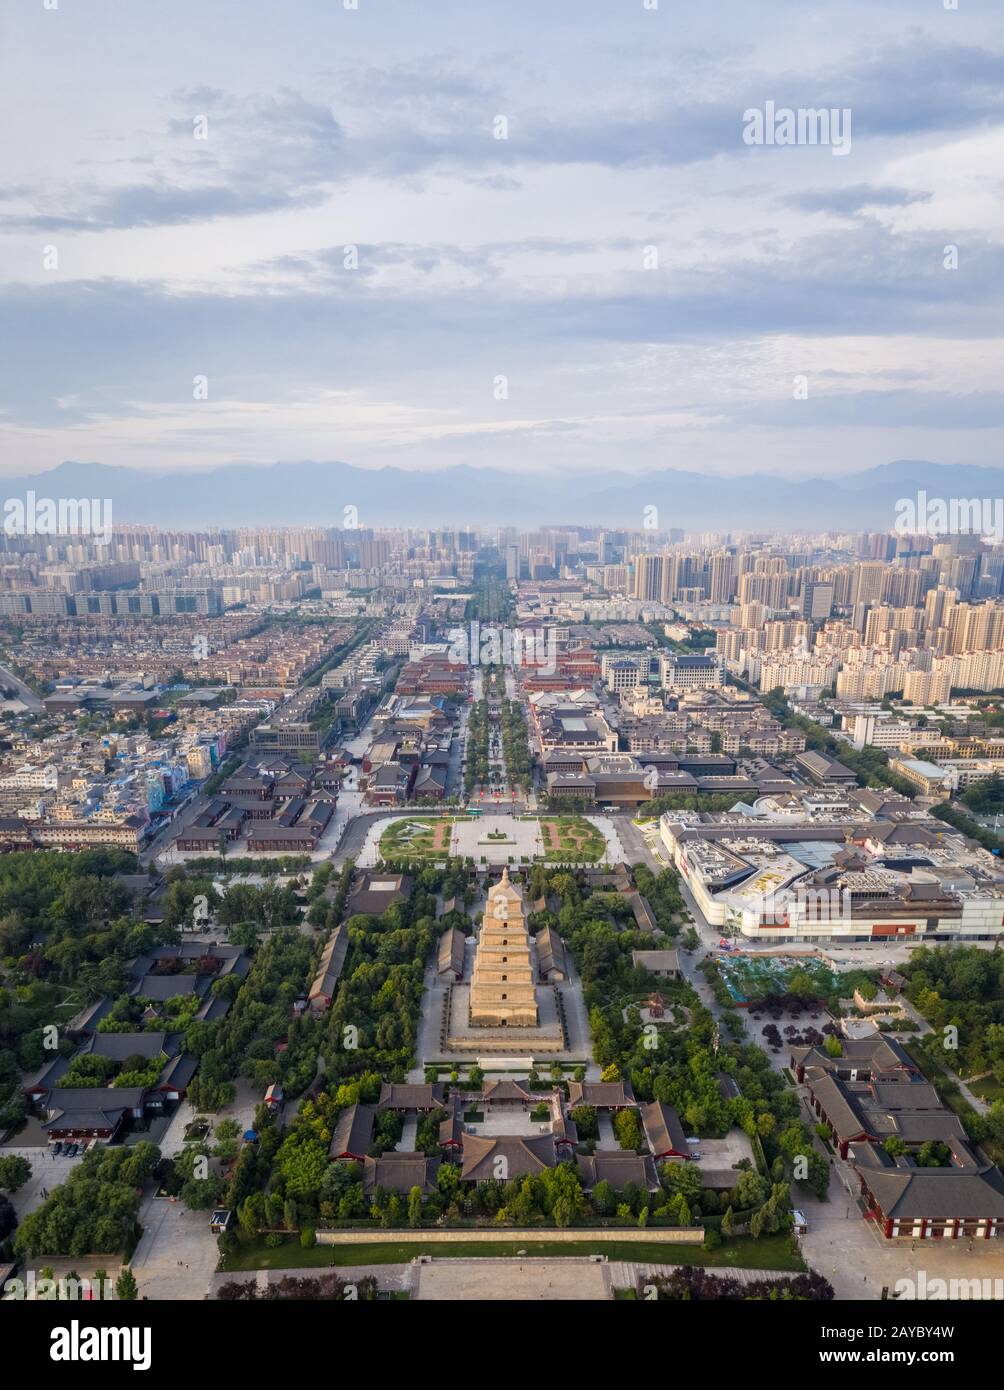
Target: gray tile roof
353	1132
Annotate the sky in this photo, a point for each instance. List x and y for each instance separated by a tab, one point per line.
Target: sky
525	234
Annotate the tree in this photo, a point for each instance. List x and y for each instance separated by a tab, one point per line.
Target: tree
8	1217
604	1198
801	985
14	1172
585	1121
683	1178
415	1207
628	1129
126	1288
750	1190
817	1178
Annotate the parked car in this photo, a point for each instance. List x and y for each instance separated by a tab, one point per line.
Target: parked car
56	1149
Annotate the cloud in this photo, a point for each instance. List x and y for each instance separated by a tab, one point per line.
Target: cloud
260	155
520	256
865	409
398	330
292	148
853	199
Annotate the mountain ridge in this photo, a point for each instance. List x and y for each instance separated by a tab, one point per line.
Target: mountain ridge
312	492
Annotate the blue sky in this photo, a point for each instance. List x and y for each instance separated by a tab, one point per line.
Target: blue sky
135	257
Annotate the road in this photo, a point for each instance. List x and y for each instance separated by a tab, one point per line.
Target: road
356	831
24	693
161	842
636	847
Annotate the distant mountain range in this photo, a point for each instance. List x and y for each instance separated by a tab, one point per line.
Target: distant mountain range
318	494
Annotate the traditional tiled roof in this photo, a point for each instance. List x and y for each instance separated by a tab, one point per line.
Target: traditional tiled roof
353	1132
502	1157
617	1169
550	952
451	951
330	966
604	1095
410	1096
400	1172
506	1089
936	1194
663	1130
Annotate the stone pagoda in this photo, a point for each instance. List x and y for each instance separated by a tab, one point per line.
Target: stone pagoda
502	982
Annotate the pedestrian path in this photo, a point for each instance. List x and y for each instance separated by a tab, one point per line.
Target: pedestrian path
626	1274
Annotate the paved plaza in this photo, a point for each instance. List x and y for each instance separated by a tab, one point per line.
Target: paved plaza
858	1261
496	839
506	1281
46	1174
510	1119
177	1253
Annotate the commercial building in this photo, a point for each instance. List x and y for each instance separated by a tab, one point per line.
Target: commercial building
871	872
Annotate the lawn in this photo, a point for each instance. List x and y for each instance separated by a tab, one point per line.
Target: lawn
770	1252
426	838
572	839
987	1088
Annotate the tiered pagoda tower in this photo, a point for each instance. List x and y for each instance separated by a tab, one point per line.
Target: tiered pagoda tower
502	984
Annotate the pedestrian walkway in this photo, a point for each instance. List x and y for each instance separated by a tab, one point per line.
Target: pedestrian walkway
626	1274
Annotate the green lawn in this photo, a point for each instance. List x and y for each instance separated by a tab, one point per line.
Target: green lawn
415	838
771	1252
577	840
987	1088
